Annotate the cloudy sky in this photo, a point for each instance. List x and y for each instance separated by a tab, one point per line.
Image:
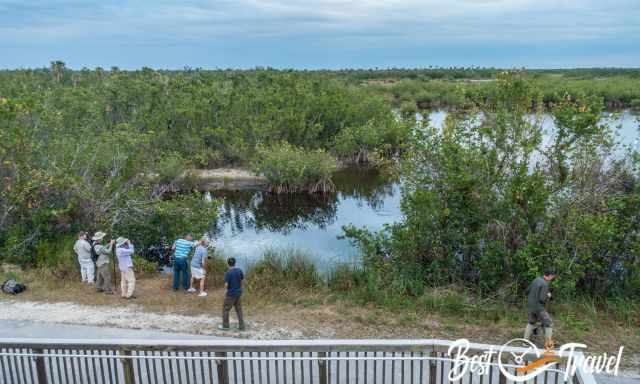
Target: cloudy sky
320	33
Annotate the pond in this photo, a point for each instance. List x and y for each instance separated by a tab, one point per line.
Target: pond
252	221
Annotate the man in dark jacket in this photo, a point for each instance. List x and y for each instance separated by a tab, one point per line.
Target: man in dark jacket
537	297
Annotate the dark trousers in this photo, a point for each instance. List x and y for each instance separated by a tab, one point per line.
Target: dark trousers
180	269
232	302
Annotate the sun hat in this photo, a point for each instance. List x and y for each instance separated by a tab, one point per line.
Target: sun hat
121	240
98	236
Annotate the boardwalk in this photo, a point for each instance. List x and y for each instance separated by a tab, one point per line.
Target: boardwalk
242	361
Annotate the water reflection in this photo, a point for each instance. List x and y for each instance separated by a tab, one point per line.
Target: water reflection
261	211
252	221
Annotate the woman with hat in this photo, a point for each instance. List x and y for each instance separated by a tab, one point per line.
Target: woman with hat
124	251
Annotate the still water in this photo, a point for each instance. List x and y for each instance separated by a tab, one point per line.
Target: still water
252	221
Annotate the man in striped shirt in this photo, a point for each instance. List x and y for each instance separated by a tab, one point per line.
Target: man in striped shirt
182	248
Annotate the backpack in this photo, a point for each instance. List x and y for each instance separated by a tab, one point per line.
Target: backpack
12	287
94	254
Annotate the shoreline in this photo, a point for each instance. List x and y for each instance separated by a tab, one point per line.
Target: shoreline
228	178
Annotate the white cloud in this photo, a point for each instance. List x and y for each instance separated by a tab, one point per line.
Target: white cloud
454	20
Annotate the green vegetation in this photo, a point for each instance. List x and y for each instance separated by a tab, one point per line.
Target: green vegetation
142	266
292	169
488	207
290	276
279	269
464	89
108	150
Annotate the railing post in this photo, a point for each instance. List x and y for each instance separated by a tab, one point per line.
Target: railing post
322	367
40	367
222	368
127	368
502	379
433	368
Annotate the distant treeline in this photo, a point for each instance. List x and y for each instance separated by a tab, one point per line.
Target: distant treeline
462	73
413	94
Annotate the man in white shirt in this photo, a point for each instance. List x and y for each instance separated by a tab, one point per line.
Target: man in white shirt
82	248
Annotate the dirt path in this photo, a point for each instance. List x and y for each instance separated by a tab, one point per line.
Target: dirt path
132	316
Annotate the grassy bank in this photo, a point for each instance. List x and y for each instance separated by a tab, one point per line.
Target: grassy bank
284	289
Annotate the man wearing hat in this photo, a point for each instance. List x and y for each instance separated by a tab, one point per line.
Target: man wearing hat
82	248
124	251
103	278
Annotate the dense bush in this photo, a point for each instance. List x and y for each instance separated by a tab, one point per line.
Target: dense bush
292	169
489	206
208	118
62	171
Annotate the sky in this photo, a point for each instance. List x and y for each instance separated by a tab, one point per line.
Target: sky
315	34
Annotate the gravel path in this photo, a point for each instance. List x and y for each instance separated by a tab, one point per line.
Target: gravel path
131	316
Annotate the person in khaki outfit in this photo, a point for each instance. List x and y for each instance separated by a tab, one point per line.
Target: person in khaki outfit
103	277
124	251
538	295
232	299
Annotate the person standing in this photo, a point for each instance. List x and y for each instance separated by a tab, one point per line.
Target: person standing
124	251
199	267
103	275
233	283
182	248
82	248
538	295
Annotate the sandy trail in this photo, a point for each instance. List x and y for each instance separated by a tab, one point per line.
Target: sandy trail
132	316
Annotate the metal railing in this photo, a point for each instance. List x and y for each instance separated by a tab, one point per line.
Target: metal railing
43	361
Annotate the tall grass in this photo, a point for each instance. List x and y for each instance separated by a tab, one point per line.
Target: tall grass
280	269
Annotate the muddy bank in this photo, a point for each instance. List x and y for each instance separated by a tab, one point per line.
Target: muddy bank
228	179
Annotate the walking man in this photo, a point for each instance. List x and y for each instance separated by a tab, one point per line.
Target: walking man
537	297
103	275
82	249
182	248
233	283
199	267
124	251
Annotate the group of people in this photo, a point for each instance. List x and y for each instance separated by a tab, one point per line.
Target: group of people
95	262
94	257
